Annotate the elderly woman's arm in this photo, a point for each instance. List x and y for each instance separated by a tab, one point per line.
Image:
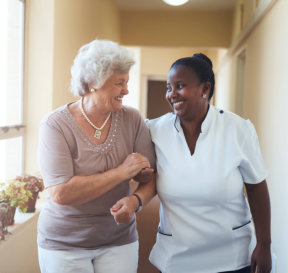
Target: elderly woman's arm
124	209
259	201
81	189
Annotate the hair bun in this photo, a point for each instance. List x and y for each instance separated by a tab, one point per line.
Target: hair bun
204	58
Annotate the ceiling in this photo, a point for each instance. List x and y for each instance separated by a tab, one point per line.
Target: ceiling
191	5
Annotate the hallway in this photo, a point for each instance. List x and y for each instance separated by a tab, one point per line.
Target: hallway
247	43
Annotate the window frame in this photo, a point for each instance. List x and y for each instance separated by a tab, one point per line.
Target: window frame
18	130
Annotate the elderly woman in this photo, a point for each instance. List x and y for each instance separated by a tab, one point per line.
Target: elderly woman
88	152
205	157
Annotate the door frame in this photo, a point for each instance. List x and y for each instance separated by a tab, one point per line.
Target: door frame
144	93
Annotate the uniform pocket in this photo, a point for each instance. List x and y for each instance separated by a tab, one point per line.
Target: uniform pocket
243	243
242	225
162	232
162	250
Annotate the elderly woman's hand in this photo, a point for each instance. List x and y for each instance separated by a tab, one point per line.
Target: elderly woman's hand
144	176
133	164
124	209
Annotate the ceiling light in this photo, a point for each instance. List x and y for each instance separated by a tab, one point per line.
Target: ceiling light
175	2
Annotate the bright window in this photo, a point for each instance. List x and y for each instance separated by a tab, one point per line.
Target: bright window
11	87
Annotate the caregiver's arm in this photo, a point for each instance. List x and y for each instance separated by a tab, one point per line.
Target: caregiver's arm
259	201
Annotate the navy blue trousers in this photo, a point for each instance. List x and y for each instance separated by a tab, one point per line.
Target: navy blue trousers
243	270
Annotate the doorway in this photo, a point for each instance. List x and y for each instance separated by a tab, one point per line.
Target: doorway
156	99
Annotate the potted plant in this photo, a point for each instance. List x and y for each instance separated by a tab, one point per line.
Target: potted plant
14	194
3	220
35	185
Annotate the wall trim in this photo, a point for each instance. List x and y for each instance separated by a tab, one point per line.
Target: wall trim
260	12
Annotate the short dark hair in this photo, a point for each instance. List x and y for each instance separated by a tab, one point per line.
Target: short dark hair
202	66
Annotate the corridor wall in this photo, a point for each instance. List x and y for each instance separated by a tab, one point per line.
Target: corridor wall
266	105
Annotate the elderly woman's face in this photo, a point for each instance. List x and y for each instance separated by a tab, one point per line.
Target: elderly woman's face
184	92
110	95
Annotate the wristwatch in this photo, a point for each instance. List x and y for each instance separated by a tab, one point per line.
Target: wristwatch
139	201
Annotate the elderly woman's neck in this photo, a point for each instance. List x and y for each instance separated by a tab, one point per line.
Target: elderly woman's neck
92	106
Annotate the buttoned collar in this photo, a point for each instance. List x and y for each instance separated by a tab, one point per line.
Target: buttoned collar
205	124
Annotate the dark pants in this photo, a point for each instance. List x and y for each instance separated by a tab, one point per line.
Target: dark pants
243	270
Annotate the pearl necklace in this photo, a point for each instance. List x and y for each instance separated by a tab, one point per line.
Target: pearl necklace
98	132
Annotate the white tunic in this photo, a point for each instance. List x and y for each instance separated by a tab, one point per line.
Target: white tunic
205	221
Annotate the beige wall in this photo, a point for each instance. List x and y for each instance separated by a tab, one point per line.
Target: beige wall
55	30
159	28
165	56
242	18
38	73
266	104
85	21
19	252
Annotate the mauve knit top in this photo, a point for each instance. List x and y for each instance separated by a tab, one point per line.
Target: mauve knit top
65	151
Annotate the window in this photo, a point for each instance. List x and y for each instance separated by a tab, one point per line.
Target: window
11	87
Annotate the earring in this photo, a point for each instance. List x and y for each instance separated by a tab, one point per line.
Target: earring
204	96
92	89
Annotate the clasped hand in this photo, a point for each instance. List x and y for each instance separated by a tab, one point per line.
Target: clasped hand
137	167
124	209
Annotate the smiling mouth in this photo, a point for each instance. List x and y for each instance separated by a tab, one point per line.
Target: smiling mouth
178	103
119	98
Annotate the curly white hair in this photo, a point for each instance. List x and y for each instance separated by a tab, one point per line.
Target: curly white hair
95	63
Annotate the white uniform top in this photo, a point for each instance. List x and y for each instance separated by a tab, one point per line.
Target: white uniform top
205	221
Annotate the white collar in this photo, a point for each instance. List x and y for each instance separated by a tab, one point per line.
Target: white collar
205	124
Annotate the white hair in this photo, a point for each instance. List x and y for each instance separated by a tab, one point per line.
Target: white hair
96	62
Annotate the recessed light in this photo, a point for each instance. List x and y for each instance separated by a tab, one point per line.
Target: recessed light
175	2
